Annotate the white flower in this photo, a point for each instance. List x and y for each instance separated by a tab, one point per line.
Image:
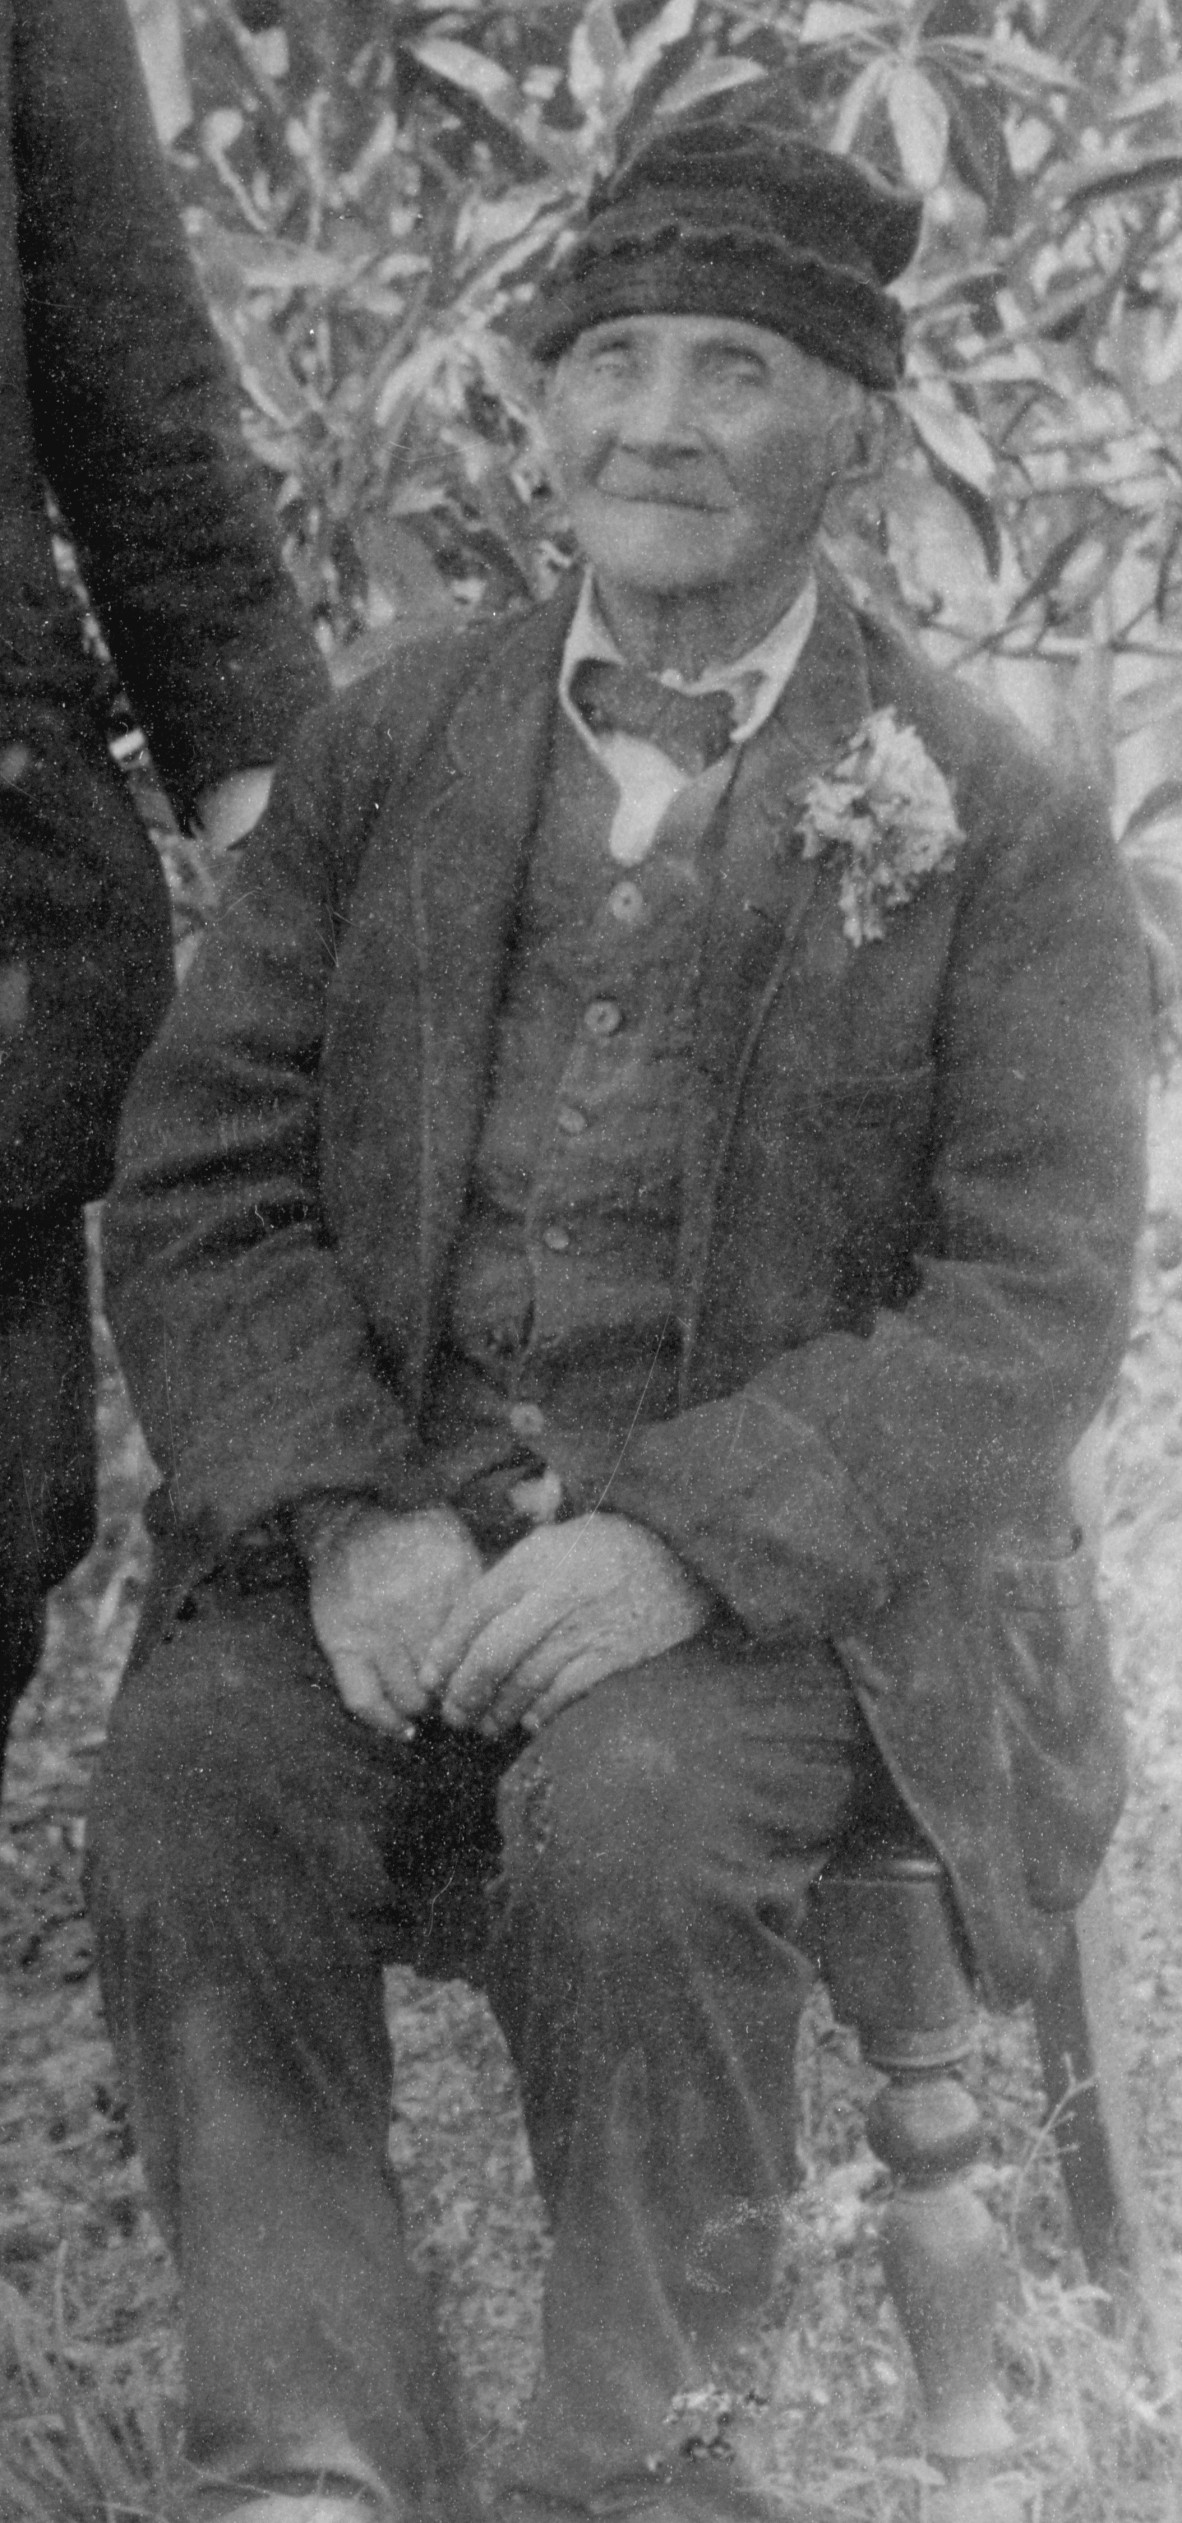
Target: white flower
889	810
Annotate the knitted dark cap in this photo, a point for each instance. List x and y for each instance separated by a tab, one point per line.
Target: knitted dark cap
716	216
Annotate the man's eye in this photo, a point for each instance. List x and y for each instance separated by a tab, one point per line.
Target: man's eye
735	372
609	359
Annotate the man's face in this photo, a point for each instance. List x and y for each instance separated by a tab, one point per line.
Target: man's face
695	453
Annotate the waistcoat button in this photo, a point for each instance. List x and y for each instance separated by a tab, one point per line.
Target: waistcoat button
526	1420
626	904
602	1017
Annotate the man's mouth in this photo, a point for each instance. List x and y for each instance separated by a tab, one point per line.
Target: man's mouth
660	495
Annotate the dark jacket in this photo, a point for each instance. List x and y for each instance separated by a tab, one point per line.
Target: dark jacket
113	393
912	1184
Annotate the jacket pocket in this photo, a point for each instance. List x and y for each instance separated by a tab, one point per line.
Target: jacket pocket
1061	1724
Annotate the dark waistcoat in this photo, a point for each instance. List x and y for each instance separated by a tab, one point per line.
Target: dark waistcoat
562	1305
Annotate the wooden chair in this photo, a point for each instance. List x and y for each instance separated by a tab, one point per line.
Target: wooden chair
886	1937
889	1946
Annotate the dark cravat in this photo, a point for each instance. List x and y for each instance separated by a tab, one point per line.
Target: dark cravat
692	728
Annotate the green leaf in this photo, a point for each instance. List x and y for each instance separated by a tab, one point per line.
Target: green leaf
263	366
709	78
485	228
919	121
671	26
271	265
410	378
496	269
398	562
1051	569
862	93
949	434
1023	64
1149	99
502	98
1125	175
836	22
597	57
961	461
476	74
161	43
1160	696
1161	801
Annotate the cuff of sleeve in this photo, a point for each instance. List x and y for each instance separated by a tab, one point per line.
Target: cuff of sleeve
755	1504
315	1523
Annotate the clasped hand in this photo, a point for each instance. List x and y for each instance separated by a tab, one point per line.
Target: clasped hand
409	1618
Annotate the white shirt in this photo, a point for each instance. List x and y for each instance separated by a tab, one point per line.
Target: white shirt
646	779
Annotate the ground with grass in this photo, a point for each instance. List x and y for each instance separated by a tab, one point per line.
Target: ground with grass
88	2356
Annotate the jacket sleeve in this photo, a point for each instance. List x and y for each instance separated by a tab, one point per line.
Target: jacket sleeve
805	1498
134	413
248	1358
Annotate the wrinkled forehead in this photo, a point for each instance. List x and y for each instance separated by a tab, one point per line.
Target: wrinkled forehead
676	329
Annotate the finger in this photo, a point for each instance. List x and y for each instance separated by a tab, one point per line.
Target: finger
398	1675
538	1499
536	1673
526	1684
364	1695
489	1596
493	1656
572	1683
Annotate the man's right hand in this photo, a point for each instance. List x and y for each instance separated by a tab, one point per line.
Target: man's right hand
379	1587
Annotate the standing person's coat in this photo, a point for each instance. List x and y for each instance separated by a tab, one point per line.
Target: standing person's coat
114	399
912	1182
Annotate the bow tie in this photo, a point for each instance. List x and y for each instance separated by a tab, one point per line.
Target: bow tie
693	728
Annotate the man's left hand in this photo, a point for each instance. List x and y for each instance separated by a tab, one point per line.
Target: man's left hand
563	1609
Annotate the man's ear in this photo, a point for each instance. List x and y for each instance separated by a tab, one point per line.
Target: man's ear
861	434
545	391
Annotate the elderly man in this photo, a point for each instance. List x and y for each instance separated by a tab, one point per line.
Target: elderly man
616	1244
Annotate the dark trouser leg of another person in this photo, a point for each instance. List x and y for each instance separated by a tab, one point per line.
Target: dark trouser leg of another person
22	1637
47	1468
253	1850
660	1839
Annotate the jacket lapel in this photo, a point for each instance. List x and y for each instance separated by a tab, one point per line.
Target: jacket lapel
466	864
764	889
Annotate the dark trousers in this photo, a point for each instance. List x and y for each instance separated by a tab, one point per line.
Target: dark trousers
47	1445
626	1889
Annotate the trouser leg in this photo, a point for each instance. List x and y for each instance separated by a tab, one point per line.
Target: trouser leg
660	1839
22	1636
47	1446
256	1854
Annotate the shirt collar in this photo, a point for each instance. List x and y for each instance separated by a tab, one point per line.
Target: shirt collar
757	679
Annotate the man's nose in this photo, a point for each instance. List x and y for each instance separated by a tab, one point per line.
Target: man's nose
659	417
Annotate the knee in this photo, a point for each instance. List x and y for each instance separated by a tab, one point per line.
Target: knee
209	1740
598	1815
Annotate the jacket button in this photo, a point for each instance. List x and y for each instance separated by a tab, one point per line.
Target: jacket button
570	1119
555	1238
526	1420
602	1017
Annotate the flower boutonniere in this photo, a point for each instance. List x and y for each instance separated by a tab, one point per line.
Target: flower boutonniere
888	812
